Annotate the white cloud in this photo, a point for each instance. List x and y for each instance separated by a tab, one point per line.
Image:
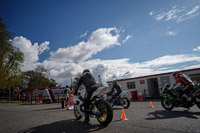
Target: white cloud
43	46
31	51
169	60
171	33
122	30
63	70
119	68
192	66
160	17
178	14
151	13
197	48
84	34
126	39
100	39
194	10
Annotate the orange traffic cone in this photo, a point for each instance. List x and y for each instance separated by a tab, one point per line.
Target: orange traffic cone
123	116
151	104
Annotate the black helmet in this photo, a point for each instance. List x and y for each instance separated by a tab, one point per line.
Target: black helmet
86	72
114	82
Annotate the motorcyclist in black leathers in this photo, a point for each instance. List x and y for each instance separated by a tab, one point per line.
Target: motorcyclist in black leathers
89	82
116	90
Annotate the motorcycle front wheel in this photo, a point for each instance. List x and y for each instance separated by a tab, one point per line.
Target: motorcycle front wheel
125	102
77	113
167	104
106	113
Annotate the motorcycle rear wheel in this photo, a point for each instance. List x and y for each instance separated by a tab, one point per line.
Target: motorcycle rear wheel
166	104
125	102
77	113
106	111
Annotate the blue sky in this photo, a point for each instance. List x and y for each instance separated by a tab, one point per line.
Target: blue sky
114	38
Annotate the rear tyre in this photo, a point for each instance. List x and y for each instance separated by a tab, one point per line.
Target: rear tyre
106	113
125	102
77	113
167	104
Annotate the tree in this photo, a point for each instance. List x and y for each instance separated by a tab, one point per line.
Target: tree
37	78
75	82
76	79
11	59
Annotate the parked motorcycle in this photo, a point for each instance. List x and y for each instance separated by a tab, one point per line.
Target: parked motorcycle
171	97
99	108
120	100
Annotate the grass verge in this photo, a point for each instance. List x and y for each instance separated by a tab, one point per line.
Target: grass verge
13	102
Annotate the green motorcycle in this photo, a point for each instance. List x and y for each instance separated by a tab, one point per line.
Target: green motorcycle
171	97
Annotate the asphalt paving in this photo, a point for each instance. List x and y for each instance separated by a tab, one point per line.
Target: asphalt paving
141	117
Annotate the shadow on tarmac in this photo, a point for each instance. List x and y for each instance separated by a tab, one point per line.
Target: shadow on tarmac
49	109
164	114
65	126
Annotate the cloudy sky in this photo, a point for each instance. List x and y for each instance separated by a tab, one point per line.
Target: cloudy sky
112	38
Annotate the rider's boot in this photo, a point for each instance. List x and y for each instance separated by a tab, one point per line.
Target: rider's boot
87	119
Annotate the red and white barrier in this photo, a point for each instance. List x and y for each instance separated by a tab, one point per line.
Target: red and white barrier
71	101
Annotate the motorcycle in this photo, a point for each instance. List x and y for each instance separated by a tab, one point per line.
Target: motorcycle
120	100
171	98
99	108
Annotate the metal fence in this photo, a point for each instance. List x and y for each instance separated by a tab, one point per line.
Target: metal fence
6	96
31	99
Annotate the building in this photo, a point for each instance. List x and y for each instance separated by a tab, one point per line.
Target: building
151	85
